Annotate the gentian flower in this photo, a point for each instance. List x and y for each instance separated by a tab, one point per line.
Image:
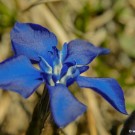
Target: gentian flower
59	69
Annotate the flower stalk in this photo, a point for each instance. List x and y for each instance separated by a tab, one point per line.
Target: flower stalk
40	114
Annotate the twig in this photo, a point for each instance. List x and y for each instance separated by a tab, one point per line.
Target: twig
38	2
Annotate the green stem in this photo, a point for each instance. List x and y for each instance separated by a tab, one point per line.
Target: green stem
40	114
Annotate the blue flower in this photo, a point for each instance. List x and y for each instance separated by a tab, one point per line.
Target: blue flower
33	43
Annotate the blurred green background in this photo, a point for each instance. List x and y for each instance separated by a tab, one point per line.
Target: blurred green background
105	23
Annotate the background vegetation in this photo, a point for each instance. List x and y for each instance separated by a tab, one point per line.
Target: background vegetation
106	23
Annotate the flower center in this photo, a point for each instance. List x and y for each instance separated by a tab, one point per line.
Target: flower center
57	73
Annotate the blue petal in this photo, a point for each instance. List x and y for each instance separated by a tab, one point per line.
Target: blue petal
71	79
18	75
70	76
64	106
83	52
106	87
32	40
45	66
83	69
63	52
65	69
